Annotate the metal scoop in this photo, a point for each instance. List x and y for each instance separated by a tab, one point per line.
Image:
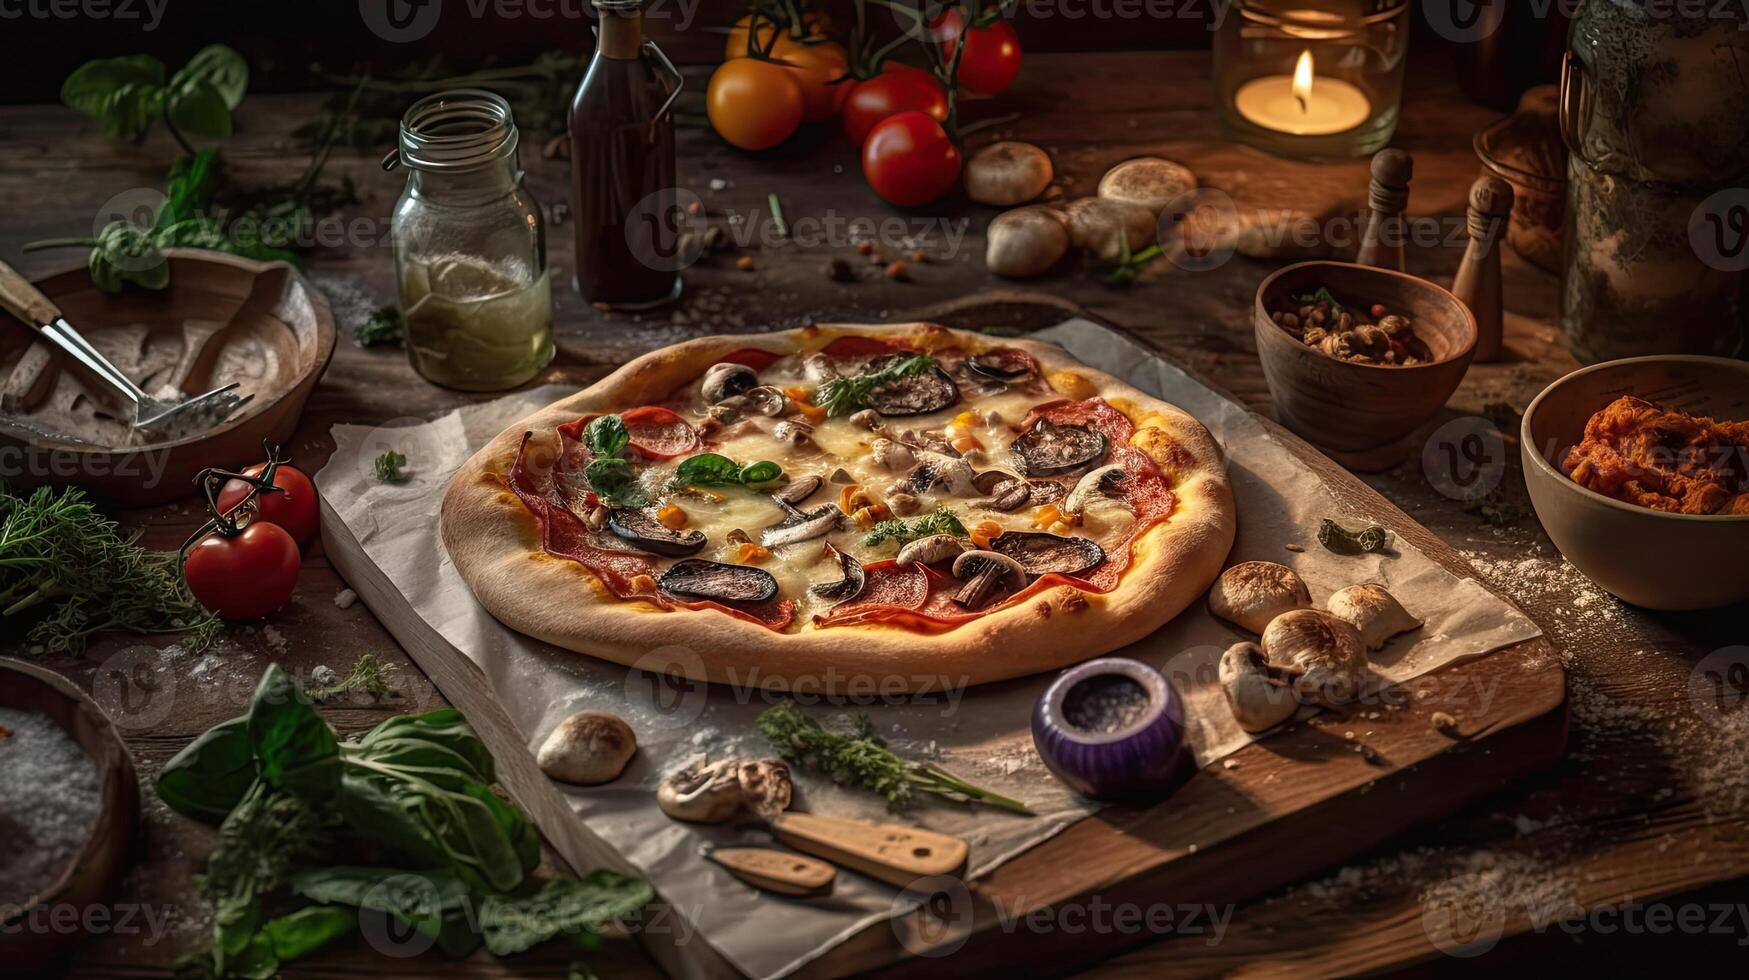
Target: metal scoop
152	414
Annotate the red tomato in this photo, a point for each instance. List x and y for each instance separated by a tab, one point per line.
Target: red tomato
294	508
658	433
909	159
244	576
895	90
992	55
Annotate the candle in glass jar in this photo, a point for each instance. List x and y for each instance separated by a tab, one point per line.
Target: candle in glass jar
1302	105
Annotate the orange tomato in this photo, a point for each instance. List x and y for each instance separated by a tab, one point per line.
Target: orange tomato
753	104
814	22
821	68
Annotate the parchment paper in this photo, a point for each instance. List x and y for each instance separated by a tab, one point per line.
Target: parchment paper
981	733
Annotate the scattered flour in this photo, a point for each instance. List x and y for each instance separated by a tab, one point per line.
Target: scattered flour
49	799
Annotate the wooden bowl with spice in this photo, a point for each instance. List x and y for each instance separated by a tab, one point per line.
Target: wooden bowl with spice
69	813
1606	446
1363	385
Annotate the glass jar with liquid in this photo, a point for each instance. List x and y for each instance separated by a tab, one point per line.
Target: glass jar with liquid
470	247
625	209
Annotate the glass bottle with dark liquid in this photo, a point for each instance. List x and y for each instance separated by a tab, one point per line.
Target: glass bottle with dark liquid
624	205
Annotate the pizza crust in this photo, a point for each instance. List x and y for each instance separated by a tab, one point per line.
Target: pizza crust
495	545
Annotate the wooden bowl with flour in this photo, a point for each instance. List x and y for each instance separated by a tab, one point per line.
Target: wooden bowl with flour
221	319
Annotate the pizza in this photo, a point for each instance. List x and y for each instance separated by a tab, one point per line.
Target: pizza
843	505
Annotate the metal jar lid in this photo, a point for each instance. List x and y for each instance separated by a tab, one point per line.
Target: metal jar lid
454	132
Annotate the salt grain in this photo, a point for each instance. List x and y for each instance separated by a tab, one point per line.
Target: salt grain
48	801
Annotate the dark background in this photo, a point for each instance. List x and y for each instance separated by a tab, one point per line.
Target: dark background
292	46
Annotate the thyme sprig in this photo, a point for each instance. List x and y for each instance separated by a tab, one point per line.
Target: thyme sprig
842	396
861	759
58	552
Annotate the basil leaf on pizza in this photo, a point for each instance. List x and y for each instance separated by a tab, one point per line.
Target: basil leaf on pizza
607	437
717	470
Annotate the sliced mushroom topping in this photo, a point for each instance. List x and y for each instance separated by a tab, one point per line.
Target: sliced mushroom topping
914	394
798	491
1094	484
818	368
1040	553
765	400
849	584
802	526
793	432
867	418
936	547
1048	448
698	578
725	380
1003	364
987	575
891	455
935	469
642	531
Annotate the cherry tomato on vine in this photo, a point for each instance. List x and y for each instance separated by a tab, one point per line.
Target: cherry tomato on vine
243	575
992	55
753	104
294	508
814	22
910	160
894	90
818	69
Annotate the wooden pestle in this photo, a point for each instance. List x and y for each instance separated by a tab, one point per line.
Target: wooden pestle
1383	234
1478	276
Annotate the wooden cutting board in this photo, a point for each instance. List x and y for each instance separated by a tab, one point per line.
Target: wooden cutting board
1278	810
1299	801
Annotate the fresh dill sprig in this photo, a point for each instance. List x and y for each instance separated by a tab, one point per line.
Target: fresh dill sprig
905	530
388	467
861	759
842	396
59	553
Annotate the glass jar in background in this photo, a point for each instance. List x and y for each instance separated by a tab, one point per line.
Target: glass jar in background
1657	235
470	246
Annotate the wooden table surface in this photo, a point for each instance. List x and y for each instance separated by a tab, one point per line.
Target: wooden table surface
1651	804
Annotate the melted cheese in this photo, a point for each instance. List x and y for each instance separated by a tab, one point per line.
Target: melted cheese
837	443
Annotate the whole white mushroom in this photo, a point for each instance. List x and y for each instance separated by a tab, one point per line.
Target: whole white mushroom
1007	173
1026	242
1105	227
1327	652
588	748
1150	182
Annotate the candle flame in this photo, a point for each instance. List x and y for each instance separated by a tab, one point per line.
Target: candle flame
1302	87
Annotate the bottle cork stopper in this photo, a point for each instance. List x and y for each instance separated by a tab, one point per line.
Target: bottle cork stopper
1491	196
1393	168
